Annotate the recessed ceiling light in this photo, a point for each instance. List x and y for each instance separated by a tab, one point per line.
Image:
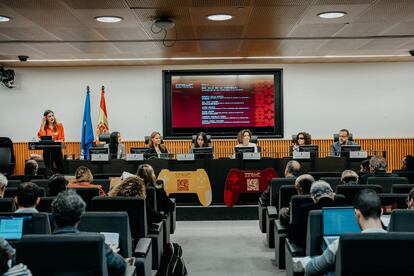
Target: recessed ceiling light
108	19
219	17
331	14
4	18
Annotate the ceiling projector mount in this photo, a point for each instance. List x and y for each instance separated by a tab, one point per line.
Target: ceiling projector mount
164	24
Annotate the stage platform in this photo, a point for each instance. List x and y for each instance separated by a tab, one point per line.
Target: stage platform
217	212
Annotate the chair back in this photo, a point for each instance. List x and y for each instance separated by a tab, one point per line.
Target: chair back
105	183
86	193
25	178
135	207
375	254
113	222
11	192
72	254
401	188
5	161
318	174
395	201
44	183
387	182
13	183
151	197
299	200
349	191
333	181
401	221
314	233
45	204
285	195
7	205
275	185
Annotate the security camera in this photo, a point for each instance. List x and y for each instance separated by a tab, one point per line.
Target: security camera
7	77
23	58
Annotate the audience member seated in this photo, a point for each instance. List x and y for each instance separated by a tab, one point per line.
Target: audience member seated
349	177
302	138
67	209
116	148
410	200
343	140
368	211
154	144
377	167
83	178
303	185
31	167
364	166
27	198
243	137
322	196
408	163
164	203
6	256
134	186
292	170
3	184
201	141
57	183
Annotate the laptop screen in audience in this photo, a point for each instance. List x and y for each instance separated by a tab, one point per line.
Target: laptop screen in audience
13	227
337	221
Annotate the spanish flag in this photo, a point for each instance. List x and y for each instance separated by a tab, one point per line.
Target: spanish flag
103	116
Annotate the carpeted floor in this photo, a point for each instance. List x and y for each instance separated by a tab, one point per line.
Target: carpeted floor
225	248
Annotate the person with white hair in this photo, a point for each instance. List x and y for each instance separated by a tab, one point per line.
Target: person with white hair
3	185
322	196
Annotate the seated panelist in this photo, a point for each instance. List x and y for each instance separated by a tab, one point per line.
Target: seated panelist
302	138
201	141
343	140
116	149
155	146
244	138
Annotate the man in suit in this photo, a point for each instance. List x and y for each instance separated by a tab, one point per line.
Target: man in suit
377	167
322	196
343	140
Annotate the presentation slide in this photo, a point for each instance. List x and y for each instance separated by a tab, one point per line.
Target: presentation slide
223	101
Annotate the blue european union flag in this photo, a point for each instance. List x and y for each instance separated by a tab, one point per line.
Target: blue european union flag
87	130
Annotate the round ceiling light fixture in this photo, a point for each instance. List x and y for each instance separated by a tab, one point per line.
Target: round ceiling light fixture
219	17
331	14
109	19
4	18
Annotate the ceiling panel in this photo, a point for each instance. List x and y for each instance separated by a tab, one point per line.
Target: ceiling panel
387	11
30	33
385	44
96	4
279	14
221	3
75	34
312	30
220	47
157	3
55	48
219	32
96	48
265	30
128	33
343	44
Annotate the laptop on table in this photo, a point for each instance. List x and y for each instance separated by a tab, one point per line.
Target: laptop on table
337	221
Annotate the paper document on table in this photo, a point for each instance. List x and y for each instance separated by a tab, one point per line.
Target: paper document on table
111	238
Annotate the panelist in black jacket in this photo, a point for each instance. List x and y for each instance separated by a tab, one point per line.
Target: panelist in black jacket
155	146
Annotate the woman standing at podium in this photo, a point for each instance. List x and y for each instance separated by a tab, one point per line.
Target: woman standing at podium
50	127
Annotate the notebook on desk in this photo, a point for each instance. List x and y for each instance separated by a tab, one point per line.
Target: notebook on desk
13	227
337	221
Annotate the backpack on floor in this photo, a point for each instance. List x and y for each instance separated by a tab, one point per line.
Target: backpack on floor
172	263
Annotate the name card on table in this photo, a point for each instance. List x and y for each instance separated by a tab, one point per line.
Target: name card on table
99	157
134	157
251	156
185	157
301	155
359	154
